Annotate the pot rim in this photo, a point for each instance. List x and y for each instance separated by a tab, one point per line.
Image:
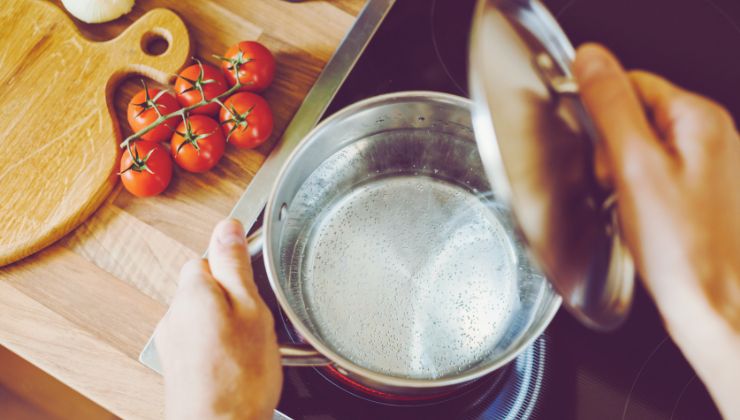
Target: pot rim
272	271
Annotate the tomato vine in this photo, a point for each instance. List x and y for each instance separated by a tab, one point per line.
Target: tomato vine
183	112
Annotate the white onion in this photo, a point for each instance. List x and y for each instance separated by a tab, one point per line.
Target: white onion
97	11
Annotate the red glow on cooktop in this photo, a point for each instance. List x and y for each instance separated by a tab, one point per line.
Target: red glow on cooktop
344	380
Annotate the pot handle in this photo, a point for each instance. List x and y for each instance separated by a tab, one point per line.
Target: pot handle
290	354
298	355
255	242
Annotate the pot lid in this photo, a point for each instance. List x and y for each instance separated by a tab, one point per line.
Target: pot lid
536	142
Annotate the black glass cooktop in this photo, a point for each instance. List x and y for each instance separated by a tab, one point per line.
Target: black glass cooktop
570	372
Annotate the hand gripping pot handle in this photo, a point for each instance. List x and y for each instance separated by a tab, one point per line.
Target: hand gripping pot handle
291	354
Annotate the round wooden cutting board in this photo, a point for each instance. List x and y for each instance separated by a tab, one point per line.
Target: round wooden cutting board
58	131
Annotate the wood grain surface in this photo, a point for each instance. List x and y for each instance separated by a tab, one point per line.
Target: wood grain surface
58	133
28	393
83	308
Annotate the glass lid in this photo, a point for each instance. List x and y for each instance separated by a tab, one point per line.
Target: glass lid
536	142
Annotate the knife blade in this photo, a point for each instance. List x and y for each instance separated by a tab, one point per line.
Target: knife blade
254	198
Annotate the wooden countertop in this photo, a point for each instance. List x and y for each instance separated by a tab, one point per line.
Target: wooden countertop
83	309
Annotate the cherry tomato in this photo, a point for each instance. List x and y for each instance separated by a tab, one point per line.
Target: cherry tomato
255	64
142	111
200	75
246	120
198	144
149	171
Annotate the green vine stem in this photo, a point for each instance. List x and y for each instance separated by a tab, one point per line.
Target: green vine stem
182	112
179	113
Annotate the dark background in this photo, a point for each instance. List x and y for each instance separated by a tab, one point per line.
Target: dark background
694	43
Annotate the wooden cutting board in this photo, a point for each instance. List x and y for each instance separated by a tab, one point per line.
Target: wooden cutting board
58	132
83	308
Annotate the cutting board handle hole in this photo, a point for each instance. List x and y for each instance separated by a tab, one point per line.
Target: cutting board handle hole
155	42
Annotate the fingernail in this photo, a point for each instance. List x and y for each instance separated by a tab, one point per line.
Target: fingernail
591	62
230	232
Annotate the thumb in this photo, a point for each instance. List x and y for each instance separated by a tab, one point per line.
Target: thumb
630	142
230	263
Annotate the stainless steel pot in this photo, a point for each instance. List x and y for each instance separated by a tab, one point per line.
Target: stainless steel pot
390	255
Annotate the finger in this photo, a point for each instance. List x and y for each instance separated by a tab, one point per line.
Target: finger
197	290
195	275
656	94
602	171
610	99
692	124
230	263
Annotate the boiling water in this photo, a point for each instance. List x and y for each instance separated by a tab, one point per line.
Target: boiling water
410	276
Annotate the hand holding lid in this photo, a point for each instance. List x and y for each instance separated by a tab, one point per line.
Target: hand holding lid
536	142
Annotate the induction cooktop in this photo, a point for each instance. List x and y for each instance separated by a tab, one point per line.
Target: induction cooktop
633	373
570	372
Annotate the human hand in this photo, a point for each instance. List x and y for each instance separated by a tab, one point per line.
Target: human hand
674	159
217	343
